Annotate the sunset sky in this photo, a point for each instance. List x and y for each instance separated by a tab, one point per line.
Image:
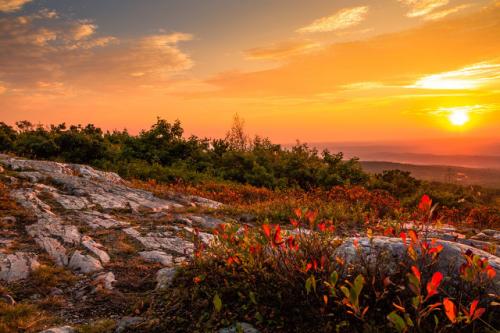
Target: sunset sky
321	70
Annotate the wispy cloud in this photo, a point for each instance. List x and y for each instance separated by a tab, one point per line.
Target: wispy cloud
342	19
281	50
45	52
419	8
9	6
467	78
446	12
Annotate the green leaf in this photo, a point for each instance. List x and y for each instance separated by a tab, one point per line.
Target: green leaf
334	277
345	291
310	282
308	285
253	299
397	321
358	284
217	303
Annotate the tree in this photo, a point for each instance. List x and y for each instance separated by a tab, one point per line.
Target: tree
236	136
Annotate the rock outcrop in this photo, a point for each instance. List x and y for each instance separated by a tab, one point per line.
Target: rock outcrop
73	203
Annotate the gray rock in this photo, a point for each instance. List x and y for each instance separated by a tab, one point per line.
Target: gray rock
450	258
17	266
84	263
206	221
157	257
239	327
106	280
96	248
62	329
55	250
164	277
127	323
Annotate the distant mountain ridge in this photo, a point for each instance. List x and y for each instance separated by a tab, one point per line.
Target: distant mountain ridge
453	152
489	178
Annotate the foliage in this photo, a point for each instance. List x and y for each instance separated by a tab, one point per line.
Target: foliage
295	280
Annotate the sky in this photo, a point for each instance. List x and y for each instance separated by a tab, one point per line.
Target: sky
317	71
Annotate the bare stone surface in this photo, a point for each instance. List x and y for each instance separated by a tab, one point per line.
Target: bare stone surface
106	280
157	257
84	263
62	329
164	277
17	266
96	248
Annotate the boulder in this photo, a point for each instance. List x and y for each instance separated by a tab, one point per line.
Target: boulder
84	263
164	277
17	266
238	328
157	257
62	329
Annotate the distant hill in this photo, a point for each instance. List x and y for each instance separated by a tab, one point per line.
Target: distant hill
450	174
484	154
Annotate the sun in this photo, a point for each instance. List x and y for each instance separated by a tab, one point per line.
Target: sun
458	117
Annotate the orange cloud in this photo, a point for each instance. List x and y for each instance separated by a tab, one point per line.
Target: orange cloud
419	8
446	12
10	6
342	19
65	54
435	47
281	50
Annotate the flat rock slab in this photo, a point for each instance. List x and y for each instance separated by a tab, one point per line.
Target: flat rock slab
17	266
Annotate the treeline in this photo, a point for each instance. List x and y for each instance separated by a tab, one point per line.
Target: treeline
164	154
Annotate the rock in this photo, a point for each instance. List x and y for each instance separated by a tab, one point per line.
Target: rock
106	280
207	222
55	250
239	327
31	176
157	257
164	277
18	266
52	226
95	248
161	240
203	202
449	258
127	323
8	219
97	219
84	263
62	329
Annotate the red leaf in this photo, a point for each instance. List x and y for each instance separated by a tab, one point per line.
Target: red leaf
473	307
450	310
403	237
308	266
294	222
416	272
298	212
434	283
425	203
490	272
413	236
277	236
322	227
479	312
267	230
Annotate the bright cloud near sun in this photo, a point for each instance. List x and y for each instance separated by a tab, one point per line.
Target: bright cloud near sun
342	19
467	78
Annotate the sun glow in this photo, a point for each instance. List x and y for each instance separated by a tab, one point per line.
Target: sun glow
459	117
